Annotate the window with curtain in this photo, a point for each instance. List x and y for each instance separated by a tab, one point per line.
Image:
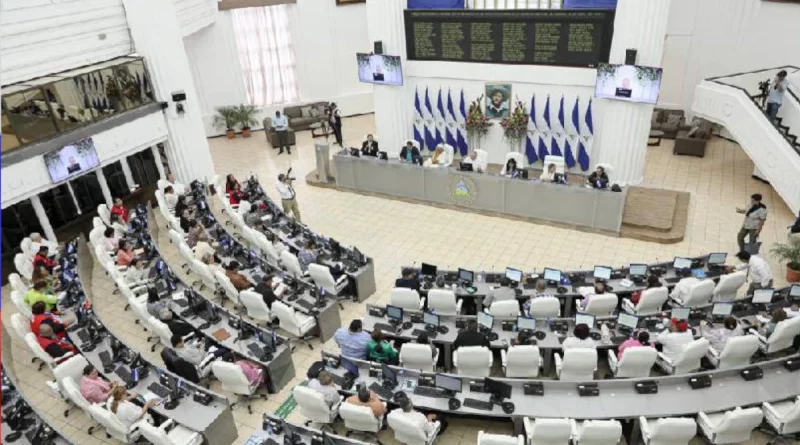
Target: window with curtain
266	54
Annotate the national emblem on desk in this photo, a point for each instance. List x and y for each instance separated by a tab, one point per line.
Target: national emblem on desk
462	190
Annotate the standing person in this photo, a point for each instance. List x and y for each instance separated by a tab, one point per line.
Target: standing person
353	341
775	96
281	124
288	196
758	271
754	219
335	120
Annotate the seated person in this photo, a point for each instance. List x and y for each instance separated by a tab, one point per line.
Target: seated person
266	289
171	198
549	175
539	292
54	346
238	280
580	338
93	387
408	280
213	263
778	315
42	259
110	240
438	159
37	240
380	350
179	188
185	219
675	339
155	305
353	340
588	292
502	293
176	326
39	293
126	411
197	233
598	179
307	255
424	422
410	153
41	316
367	398
472	158
119	226
193	352
652	282
423	339
137	275
42	274
471	337
236	195
642	338
719	337
120	210
230	183
511	169
370	146
323	384
124	253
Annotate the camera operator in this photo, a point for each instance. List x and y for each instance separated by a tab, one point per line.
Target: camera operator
288	195
775	97
335	120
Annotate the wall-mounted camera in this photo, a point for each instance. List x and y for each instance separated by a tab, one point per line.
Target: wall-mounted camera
179	97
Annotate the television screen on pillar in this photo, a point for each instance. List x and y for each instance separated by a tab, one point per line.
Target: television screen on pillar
380	69
630	83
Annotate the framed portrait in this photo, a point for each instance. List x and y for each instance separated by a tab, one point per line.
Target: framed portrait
349	2
498	100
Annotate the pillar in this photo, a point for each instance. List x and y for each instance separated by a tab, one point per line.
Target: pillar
126	171
44	221
159	165
74	199
101	179
157	36
622	137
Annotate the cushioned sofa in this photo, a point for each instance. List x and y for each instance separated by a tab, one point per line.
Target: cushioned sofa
668	121
302	116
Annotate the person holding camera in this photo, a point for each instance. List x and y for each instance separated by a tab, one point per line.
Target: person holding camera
288	196
335	120
775	96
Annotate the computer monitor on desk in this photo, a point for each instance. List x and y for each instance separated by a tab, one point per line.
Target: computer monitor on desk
681	263
637	272
552	276
602	273
721	310
499	390
515	275
681	313
717	259
465	277
395	314
627	323
451	385
763	296
485	321
428	270
431	321
389	376
526	324
349	366
465	166
794	292
587	319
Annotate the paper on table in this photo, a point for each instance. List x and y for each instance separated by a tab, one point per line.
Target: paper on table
762	319
148	396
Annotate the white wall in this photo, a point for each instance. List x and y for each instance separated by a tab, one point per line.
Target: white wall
41	37
30	177
194	15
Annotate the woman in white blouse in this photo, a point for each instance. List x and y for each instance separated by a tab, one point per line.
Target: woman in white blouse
126	411
550	174
580	338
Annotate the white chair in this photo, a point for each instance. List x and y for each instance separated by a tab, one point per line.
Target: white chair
228	289
235	381
558	161
636	361
444	301
313	405
408	432
504	308
187	254
20	325
207	279
266	247
291	264
518	158
784	418
728	286
521	361
163	332
69	370
736	353
24	265
578	364
41	355
104	214
322	277
144	319
175	237
699	294
547	431
687	361
602	305
97	237
545	307
256	308
97	223
596	432
482	160
16	283
73	394
26	246
406	299
608	169
473	361
297	324
244	207
732	426
782	337
418	356
169	434
360	419
668	431
650	302
18	300
499	439
114	428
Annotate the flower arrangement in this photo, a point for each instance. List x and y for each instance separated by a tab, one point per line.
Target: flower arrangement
477	122
515	127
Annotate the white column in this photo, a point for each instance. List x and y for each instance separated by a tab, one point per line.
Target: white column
622	137
157	36
159	165
393	105
44	221
101	179
126	171
74	199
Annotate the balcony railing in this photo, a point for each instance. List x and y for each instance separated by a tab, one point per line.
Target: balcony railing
43	108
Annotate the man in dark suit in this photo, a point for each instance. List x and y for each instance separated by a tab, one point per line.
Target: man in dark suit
265	289
369	147
410	153
408	280
378	74
471	337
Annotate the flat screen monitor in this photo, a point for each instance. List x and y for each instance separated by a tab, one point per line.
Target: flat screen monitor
763	296
497	388
348	365
466	276
682	263
447	382
717	259
630	83
602	272
794	291
380	69
627	320
638	270
430	319
514	275
681	313
722	309
71	160
552	274
526	323
394	313
485	320
388	373
428	270
587	319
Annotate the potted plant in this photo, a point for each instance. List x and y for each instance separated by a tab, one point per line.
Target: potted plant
515	127
789	252
477	122
246	116
226	117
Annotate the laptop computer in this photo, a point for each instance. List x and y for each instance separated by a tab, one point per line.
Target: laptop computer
465	166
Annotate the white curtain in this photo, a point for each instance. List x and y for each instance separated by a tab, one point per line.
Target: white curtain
266	54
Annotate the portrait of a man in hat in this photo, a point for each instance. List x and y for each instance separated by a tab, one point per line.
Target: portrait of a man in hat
498	100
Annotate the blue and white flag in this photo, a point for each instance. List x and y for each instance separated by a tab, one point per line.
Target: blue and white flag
555	150
530	149
542	148
418	121
441	125
569	157
588	118
583	156
561	114
461	137
451	128
547	114
430	139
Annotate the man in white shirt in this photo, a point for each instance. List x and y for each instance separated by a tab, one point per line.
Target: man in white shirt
192	352
288	196
426	423
171	198
281	124
323	384
580	338
477	165
675	339
136	275
775	96
179	188
719	337
757	269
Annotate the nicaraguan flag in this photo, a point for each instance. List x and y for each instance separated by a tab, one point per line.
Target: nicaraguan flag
530	149
569	158
555	149
418	120
450	123
542	148
583	157
440	119
561	114
461	137
547	113
588	118
430	139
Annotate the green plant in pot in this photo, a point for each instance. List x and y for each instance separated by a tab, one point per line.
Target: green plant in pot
789	252
227	118
246	117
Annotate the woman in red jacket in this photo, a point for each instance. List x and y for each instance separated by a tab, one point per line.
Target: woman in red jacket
120	210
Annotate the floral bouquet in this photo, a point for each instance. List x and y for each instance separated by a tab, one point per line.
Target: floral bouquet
477	122
515	127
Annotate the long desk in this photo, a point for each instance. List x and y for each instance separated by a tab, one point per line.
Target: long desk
575	206
305	433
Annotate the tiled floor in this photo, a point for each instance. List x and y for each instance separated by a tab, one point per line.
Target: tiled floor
396	233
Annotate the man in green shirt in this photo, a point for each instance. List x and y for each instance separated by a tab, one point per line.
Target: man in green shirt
380	350
39	293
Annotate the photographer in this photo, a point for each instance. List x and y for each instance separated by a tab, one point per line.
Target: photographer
775	96
288	195
335	120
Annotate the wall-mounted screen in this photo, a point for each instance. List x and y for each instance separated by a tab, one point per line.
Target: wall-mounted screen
631	83
380	69
71	160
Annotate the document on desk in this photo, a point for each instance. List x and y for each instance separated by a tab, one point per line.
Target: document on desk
762	319
148	396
